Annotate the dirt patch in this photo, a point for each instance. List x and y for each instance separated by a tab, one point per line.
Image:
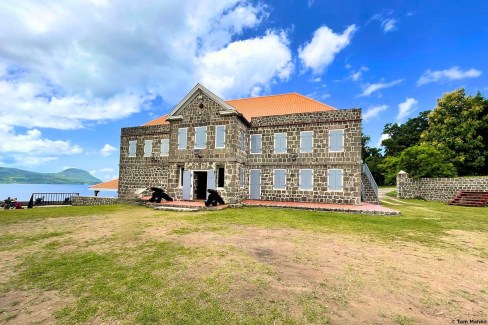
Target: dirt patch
24	307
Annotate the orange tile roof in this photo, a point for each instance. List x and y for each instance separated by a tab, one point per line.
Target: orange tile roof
109	185
291	103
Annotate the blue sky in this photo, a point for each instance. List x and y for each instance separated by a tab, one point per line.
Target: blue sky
72	74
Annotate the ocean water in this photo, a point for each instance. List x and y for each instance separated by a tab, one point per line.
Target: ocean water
23	192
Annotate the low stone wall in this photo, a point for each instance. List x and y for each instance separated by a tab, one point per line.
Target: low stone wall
437	189
93	200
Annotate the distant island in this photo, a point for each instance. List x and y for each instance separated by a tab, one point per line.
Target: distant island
68	176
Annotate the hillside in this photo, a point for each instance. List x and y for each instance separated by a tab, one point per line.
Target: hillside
68	176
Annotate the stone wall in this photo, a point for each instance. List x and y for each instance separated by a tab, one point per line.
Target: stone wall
92	200
437	189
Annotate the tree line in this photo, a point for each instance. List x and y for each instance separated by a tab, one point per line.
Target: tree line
450	140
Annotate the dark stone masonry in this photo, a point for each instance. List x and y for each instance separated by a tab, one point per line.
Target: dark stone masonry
437	189
93	200
232	165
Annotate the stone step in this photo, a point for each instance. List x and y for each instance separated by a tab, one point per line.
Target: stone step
179	209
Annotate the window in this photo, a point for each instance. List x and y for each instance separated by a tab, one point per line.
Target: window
336	140
147	148
256	143
243	141
334	180
164	147
280	143
220	176
241	177
305	180
220	136
182	138
201	137
306	141
182	169
132	148
279	179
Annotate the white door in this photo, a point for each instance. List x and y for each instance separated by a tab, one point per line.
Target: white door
255	184
210	180
187	185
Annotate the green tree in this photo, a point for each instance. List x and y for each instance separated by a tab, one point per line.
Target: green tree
458	127
425	161
373	158
389	168
403	136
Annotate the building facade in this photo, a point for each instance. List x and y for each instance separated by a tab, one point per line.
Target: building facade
281	148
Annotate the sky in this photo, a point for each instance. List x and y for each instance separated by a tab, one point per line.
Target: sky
73	73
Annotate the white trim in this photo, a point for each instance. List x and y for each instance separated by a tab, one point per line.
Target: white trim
250	144
301	147
279	189
300	180
128	149
342	181
260	174
343	140
286	143
195	137
192	94
186	138
225	129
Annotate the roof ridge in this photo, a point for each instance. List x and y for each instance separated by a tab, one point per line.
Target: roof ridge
314	100
275	95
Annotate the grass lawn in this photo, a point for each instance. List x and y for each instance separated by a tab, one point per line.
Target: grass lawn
133	265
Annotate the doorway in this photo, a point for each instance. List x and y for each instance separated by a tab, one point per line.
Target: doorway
200	185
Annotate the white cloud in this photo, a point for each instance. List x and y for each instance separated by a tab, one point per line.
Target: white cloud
357	75
324	46
382	137
373	112
107	150
237	69
31	148
388	25
453	73
405	108
371	88
96	60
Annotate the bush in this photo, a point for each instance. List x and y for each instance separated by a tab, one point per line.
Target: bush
425	161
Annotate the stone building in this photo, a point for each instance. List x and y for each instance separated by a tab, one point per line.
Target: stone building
283	148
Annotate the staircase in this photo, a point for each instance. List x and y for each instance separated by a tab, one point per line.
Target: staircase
470	199
369	189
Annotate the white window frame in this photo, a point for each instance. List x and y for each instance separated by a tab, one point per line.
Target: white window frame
301	146
186	139
161	148
300	180
205	142
216	136
148	146
343	136
286	143
132	143
274	180
328	179
250	144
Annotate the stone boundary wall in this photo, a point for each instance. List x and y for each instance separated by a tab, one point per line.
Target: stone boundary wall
437	189
93	200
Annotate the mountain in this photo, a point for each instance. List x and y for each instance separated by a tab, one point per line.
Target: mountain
68	176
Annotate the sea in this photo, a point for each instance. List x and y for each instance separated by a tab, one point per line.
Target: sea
23	192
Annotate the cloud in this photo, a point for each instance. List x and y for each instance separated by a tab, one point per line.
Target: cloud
324	46
65	64
453	73
373	112
382	137
405	108
239	68
31	148
357	75
387	23
107	150
371	88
